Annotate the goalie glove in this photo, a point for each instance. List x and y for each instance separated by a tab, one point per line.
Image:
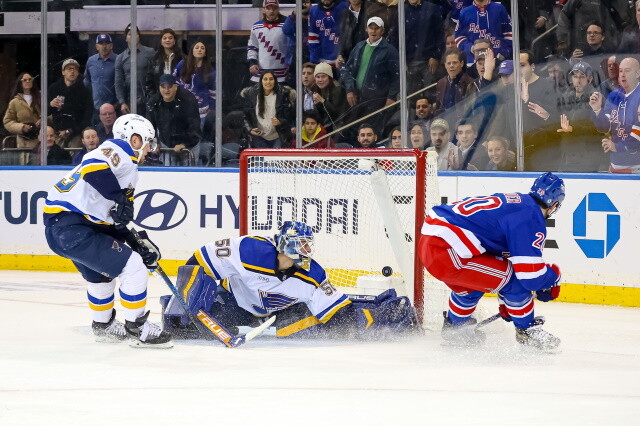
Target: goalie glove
149	252
551	293
122	210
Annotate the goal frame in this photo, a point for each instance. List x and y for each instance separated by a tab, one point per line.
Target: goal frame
420	193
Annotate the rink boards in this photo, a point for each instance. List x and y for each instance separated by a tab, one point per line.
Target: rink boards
593	237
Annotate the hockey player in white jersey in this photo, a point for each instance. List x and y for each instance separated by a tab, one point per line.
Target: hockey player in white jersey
241	280
85	217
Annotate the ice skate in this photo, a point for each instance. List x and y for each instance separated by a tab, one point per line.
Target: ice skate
144	333
464	334
110	332
535	337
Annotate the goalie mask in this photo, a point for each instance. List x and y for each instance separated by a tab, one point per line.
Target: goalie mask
295	240
133	124
548	189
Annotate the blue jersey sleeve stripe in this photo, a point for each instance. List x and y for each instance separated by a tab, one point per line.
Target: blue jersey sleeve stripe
259	269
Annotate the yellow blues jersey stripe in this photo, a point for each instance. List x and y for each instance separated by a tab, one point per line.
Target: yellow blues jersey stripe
90	188
250	266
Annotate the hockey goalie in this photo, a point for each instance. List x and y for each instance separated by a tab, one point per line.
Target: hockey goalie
243	281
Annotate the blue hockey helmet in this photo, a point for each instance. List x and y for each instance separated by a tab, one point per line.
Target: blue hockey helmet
548	188
295	239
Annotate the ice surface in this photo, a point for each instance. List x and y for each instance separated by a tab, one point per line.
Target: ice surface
53	373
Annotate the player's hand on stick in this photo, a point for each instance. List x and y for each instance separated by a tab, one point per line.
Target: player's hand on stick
122	211
149	252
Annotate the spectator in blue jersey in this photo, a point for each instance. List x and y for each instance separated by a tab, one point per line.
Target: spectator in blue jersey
424	40
618	117
267	46
164	61
289	30
107	118
493	244
100	73
484	19
352	29
371	77
90	142
324	31
123	73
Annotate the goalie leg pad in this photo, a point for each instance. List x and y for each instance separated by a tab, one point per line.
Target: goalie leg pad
394	314
197	289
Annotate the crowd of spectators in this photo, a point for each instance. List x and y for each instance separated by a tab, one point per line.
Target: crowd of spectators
578	71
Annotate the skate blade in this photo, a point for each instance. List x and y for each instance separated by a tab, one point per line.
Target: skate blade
109	340
533	350
141	345
452	344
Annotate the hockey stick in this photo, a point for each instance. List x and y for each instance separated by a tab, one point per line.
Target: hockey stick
486	321
206	325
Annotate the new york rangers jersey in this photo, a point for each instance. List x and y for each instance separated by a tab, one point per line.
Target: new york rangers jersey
267	47
250	266
324	32
92	186
491	22
507	225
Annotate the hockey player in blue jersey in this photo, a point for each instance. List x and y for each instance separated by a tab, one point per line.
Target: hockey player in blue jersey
493	244
240	281
85	218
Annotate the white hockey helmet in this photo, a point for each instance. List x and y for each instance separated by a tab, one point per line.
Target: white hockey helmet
134	124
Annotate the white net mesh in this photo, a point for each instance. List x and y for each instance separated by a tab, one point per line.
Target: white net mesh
362	210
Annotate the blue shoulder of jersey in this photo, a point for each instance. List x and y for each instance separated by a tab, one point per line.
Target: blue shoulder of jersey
126	148
316	274
258	255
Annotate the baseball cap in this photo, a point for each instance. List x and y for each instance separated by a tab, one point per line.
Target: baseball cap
70	61
323	68
506	67
583	67
103	38
440	122
375	20
167	79
266	3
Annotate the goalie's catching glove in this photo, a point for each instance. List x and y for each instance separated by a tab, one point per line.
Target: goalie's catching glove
149	252
122	211
551	293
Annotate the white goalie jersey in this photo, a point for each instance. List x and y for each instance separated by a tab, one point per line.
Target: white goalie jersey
250	266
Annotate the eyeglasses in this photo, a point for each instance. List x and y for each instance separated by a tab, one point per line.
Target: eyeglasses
594	33
26	79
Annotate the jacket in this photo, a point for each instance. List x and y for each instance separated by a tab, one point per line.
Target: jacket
156	69
352	31
178	125
77	110
334	105
424	32
17	115
284	110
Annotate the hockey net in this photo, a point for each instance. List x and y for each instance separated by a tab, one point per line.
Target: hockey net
365	206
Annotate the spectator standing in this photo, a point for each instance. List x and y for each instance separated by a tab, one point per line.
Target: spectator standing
22	117
617	118
352	29
56	155
71	105
424	41
123	73
196	74
580	143
630	39
164	61
90	142
371	77
269	113
105	126
611	83
576	15
100	74
308	81
484	19
267	46
387	10
533	17
329	98
324	30
173	111
592	51
448	153
455	86
289	30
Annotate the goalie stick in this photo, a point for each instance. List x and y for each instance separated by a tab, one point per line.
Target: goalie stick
206	325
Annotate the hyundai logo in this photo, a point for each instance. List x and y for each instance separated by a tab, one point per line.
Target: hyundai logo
160	210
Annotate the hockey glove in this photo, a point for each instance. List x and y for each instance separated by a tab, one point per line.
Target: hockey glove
149	252
122	210
552	292
502	310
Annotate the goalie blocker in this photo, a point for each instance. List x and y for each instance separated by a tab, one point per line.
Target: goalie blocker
367	317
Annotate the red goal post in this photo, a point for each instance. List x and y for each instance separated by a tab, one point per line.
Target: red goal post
366	207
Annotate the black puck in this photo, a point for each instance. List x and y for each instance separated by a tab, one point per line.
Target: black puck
387	271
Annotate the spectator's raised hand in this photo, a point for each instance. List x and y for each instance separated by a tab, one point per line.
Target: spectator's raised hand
489	64
538	110
352	99
524	90
608	145
565	126
595	102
